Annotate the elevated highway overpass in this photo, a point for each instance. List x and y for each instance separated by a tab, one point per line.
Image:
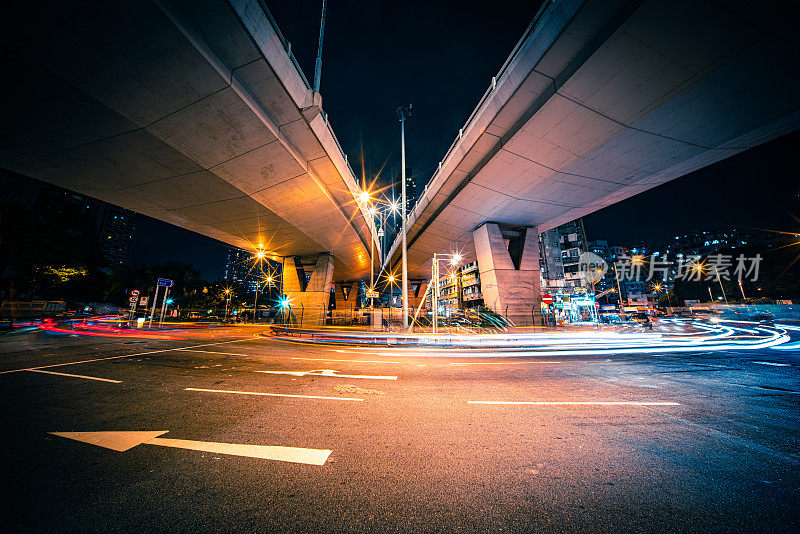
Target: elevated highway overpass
599	101
191	112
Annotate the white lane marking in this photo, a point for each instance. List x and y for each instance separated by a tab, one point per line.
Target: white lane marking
211	352
588	403
76	376
122	441
328	372
356	361
775	364
500	363
272	394
121	356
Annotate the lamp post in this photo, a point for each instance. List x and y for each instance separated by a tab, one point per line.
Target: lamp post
372	210
403	113
454	260
699	268
258	258
365	199
227	302
658	287
371	214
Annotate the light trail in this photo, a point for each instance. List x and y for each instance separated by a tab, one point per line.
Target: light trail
719	335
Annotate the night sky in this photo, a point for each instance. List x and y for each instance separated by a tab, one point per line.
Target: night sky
440	56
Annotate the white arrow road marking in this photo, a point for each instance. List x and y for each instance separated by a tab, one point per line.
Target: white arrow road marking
567	403
75	376
122	441
328	372
272	394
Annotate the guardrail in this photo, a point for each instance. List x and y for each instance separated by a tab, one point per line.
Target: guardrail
492	86
286	44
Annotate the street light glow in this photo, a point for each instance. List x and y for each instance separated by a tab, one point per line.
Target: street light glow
455	259
364	197
391	278
260	254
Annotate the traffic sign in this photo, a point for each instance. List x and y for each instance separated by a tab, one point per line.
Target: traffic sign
372	294
165	282
380	232
547	299
135	293
133	299
143	301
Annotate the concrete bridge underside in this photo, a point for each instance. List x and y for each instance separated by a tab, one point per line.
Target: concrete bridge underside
191	112
602	100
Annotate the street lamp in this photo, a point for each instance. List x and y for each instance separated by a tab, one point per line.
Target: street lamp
372	211
699	269
258	259
403	113
364	198
455	258
227	301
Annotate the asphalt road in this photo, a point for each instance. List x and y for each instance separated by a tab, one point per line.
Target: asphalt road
413	456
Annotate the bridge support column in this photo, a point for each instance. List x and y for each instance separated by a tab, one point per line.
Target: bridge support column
309	302
346	295
416	292
510	274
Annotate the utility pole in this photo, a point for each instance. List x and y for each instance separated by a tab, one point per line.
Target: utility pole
403	113
318	65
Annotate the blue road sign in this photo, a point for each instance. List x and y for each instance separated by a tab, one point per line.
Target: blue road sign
165	282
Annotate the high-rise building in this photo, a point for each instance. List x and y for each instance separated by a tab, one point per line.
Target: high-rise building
113	227
242	269
239	269
559	252
115	232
